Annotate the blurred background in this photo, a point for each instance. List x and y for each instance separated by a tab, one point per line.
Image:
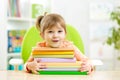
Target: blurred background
98	22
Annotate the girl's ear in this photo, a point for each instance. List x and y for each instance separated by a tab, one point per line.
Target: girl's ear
41	34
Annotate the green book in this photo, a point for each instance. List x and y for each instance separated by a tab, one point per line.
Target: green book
62	73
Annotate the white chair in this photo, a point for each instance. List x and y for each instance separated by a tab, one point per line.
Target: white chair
96	62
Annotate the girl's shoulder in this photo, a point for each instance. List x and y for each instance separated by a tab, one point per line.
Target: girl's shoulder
67	43
41	44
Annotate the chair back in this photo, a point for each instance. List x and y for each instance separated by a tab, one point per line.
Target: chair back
32	36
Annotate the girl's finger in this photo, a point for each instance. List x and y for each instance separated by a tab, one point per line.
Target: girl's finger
42	67
85	68
42	64
38	60
84	63
35	72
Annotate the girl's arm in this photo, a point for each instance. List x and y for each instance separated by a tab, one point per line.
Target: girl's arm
32	65
79	55
26	64
86	63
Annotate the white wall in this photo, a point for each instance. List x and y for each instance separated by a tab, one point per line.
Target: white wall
3	42
75	12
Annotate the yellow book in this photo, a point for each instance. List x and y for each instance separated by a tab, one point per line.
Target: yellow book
69	64
52	56
52	53
46	49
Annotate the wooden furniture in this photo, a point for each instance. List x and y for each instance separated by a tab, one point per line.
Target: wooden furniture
97	75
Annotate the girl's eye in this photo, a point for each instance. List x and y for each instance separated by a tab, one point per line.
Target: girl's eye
60	31
50	31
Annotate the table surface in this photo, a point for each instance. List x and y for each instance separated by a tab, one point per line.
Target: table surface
97	75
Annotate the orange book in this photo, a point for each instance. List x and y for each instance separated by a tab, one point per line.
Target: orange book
69	64
52	56
52	53
42	49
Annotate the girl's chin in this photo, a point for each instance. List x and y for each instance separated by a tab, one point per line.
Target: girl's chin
55	46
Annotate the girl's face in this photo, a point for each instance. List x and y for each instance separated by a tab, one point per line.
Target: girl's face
54	36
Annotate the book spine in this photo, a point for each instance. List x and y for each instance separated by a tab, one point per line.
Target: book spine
60	69
53	56
9	8
63	64
51	49
51	53
62	73
18	8
56	59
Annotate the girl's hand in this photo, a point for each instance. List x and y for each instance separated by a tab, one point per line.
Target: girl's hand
34	66
86	66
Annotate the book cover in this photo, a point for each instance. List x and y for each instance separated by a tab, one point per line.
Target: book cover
67	64
13	8
56	59
53	56
52	52
45	49
62	73
60	69
15	38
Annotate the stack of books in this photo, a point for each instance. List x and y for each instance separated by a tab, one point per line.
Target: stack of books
57	60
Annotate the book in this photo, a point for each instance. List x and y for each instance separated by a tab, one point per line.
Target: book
60	69
52	52
53	56
15	38
13	8
56	59
61	64
62	73
46	49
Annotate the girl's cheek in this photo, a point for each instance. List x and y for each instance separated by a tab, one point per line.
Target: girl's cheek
49	35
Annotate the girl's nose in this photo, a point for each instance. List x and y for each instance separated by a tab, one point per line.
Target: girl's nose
55	34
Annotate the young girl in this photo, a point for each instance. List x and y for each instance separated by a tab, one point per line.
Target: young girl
52	29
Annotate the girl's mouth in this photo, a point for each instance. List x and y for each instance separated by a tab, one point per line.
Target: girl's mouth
55	40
